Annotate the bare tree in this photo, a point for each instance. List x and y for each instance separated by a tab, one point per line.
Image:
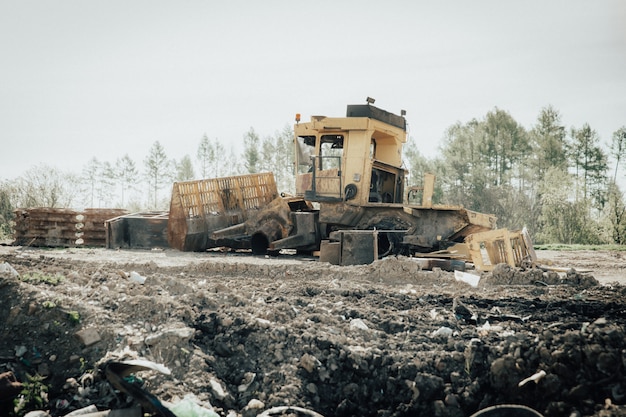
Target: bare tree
158	169
45	186
126	173
90	178
617	148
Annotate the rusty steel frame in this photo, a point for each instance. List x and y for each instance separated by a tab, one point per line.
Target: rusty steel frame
200	207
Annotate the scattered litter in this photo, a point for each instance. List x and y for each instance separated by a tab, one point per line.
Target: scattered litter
37	413
187	407
116	372
434	315
536	378
443	331
467	278
90	409
134	276
486	327
462	312
20	351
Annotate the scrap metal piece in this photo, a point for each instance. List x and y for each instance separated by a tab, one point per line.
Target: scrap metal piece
198	208
116	372
144	230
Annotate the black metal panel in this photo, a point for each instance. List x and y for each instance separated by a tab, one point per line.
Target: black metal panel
367	110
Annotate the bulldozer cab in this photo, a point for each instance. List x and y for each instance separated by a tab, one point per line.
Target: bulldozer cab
356	159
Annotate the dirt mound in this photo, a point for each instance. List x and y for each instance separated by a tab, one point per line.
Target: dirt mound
247	334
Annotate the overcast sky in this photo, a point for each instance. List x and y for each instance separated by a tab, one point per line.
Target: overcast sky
85	78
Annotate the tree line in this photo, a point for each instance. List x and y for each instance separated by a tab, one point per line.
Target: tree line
146	186
552	179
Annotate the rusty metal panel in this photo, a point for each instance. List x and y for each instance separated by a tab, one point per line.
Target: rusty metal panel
200	207
137	231
61	227
330	252
358	247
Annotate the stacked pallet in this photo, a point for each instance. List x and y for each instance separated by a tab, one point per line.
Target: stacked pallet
45	226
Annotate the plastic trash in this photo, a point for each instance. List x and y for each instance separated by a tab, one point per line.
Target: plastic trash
187	407
470	279
37	413
134	276
443	332
90	409
534	378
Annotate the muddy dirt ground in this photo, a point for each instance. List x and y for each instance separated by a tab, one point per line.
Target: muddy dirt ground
243	335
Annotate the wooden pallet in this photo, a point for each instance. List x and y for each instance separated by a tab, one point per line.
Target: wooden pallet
61	227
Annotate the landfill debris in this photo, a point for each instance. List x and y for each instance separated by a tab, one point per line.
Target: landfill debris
116	372
90	409
136	277
7	270
535	378
462	312
20	351
487	327
37	413
188	407
443	331
467	278
310	310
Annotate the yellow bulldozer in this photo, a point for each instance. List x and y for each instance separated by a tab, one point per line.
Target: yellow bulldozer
351	203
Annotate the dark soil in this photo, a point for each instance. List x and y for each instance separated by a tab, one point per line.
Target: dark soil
245	334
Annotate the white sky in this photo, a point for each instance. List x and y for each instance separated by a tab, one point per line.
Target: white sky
85	78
